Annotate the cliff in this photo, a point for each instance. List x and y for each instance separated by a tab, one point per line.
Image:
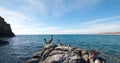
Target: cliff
5	29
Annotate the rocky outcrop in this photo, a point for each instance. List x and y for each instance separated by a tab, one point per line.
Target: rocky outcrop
2	42
64	54
5	29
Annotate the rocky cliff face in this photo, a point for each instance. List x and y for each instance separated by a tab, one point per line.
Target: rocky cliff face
5	29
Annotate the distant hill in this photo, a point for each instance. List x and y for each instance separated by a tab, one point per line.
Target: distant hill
109	33
5	29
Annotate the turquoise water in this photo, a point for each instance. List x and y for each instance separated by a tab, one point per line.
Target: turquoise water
22	47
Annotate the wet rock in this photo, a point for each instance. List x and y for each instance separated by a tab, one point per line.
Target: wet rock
32	60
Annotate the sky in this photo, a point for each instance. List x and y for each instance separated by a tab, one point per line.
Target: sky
61	16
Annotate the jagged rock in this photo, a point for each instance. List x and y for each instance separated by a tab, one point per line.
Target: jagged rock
5	29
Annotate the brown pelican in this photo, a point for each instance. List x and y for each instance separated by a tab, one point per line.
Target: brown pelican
93	57
60	43
49	42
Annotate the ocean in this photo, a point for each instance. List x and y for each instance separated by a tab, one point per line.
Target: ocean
22	47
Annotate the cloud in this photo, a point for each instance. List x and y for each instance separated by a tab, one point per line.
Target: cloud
36	30
108	19
13	17
108	24
25	24
22	24
92	30
63	6
38	4
60	7
104	28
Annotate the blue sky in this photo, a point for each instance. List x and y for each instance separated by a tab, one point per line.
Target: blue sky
61	16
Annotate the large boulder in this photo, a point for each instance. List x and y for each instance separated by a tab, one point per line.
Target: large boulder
5	29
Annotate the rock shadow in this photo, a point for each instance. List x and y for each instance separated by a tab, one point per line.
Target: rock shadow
3	42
